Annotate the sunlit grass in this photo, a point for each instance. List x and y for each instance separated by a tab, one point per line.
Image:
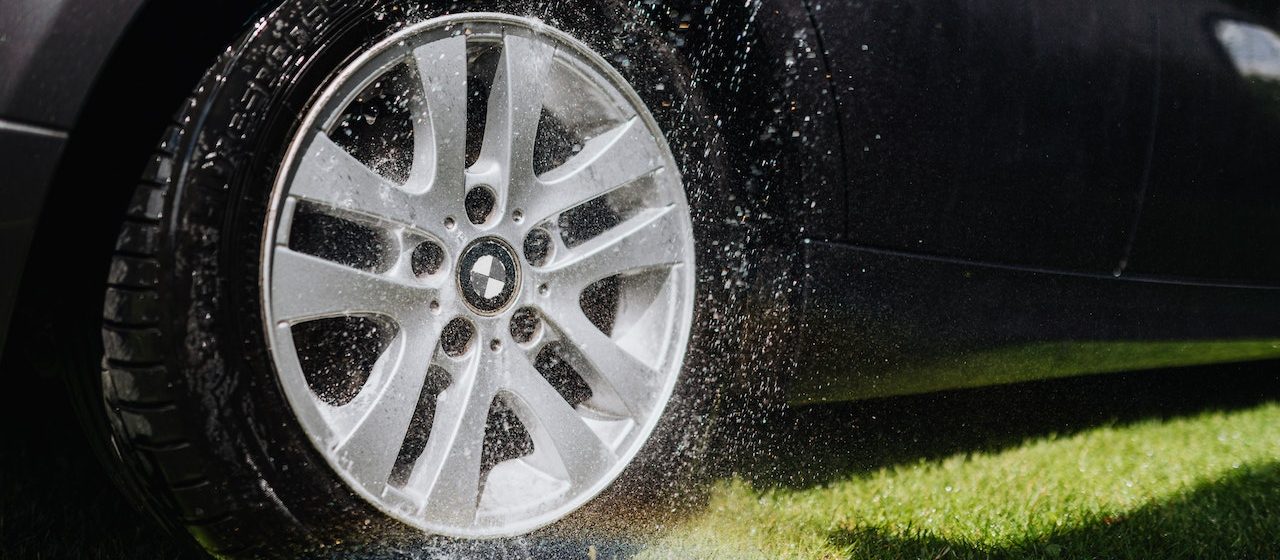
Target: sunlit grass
1201	486
1156	465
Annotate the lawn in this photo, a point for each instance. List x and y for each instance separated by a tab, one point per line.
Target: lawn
1172	464
1197	487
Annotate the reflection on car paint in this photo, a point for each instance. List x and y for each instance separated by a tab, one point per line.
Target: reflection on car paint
1253	49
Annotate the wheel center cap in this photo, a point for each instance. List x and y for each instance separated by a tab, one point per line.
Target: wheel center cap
488	275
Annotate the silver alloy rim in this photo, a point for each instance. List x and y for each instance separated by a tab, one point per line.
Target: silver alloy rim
636	264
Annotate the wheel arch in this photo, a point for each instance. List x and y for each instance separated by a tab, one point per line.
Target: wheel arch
114	118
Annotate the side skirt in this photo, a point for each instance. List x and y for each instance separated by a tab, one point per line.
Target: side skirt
881	323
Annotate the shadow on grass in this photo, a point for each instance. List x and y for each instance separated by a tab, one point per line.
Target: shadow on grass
1235	517
55	501
822	443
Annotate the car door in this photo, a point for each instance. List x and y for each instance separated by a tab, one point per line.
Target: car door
1213	208
1006	131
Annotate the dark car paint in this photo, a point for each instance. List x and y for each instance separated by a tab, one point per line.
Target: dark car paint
1018	141
50	54
997	130
908	324
28	158
1105	136
1212	210
106	119
1042	189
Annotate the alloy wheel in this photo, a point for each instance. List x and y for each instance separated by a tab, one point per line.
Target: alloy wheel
478	277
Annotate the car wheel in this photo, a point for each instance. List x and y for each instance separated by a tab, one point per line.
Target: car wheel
401	274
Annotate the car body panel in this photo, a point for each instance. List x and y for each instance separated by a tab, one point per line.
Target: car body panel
28	158
999	130
51	53
883	323
1042	189
794	136
1213	205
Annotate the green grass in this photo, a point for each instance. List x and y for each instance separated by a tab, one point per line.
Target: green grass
1201	486
1153	465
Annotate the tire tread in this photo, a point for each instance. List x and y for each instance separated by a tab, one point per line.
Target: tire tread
149	431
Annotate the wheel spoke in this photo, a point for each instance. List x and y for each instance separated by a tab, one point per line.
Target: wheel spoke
304	287
649	240
448	471
440	119
606	162
331	176
552	422
601	361
515	106
373	445
443	255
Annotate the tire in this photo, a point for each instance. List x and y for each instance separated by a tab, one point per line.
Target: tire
202	424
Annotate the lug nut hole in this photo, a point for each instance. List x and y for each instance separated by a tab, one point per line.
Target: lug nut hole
537	247
479	203
525	325
427	258
455	340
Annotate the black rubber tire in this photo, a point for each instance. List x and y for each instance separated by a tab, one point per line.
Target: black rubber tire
197	421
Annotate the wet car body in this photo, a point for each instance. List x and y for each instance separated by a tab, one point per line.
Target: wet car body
961	193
